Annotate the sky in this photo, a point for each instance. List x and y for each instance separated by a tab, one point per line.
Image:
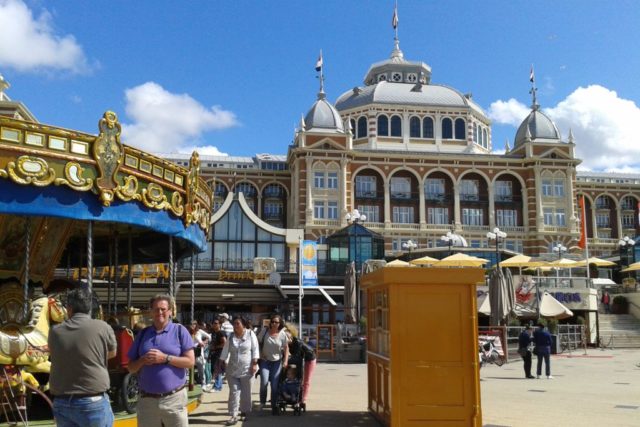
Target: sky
234	77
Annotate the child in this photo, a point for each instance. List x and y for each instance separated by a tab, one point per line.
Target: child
291	385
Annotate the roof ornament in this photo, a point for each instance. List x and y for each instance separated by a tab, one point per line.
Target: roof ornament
4	85
571	139
320	70
302	123
533	91
396	53
507	147
527	136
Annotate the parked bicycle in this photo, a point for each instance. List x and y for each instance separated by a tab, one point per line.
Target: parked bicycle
489	354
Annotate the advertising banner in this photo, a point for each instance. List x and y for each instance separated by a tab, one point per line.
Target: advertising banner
309	263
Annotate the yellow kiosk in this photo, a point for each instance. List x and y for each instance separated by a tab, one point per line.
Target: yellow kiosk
423	346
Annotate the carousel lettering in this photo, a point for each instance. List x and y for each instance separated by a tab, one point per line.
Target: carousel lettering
241	275
142	272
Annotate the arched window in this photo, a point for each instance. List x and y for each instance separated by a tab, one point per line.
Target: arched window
475	134
362	127
352	124
427	127
383	126
485	138
396	126
447	128
414	127
461	132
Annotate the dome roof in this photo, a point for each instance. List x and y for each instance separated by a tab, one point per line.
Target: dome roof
540	127
323	116
385	92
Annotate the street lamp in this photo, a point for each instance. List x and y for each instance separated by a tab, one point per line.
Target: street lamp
496	235
626	244
409	245
559	248
448	239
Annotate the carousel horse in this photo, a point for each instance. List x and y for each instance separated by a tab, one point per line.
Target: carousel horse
26	344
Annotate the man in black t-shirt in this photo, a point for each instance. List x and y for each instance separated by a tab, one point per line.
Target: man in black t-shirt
218	339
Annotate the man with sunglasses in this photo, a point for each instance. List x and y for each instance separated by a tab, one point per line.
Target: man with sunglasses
218	339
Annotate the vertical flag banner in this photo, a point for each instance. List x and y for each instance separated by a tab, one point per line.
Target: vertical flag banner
583	225
394	20
319	62
532	77
309	263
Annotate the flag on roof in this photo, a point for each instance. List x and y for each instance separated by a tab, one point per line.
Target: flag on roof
532	76
319	62
394	20
582	243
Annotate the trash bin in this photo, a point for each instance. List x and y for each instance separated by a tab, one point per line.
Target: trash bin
555	344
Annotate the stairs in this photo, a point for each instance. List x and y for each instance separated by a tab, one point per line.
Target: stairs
619	331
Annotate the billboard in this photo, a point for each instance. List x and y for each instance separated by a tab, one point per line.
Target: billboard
309	263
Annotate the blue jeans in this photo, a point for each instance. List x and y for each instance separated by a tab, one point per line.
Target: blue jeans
217	382
269	373
544	355
83	412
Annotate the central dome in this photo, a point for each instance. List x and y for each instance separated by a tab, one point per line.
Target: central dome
323	116
540	127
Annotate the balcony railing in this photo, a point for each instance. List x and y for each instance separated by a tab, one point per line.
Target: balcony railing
402	226
511	229
326	222
374	225
373	194
603	241
476	228
507	199
444	226
402	195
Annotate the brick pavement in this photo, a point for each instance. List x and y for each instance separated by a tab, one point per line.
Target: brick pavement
601	389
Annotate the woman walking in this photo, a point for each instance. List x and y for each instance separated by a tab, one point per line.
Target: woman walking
240	359
274	351
301	352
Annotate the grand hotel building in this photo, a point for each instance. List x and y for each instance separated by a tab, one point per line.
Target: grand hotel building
416	158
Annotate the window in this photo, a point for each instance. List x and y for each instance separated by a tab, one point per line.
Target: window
475	134
628	203
352	125
383	126
403	214
438	216
447	128
273	210
318	179
414	127
628	220
558	188
472	217
547	188
401	187
332	210
427	127
435	189
461	131
469	189
318	210
485	138
506	218
372	212
602	203
247	189
332	180
548	216
504	191
396	126
365	186
602	220
362	127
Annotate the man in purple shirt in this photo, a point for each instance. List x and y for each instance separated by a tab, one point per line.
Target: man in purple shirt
161	354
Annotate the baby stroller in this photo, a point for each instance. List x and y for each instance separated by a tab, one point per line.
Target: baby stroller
290	387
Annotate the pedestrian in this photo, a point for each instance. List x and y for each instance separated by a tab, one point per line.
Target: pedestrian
542	340
239	358
303	354
218	340
225	324
524	350
606	300
201	340
79	379
161	355
274	354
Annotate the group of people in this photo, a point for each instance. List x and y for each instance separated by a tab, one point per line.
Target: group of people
161	355
539	342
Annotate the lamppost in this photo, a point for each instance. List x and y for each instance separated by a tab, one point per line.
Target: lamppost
409	245
559	248
496	235
626	244
355	217
448	239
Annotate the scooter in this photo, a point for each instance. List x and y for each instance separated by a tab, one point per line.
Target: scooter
489	354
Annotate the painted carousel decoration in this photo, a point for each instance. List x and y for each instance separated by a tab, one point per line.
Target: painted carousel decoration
108	154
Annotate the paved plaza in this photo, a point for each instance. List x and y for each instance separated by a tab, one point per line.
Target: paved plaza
601	388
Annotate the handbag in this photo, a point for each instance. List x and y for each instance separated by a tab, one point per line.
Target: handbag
522	351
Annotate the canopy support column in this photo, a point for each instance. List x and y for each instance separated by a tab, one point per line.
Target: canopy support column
171	277
90	255
193	283
27	262
115	273
130	269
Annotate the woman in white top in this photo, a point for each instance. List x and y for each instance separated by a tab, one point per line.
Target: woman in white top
240	354
274	353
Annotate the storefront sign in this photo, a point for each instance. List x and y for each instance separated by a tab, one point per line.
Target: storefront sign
241	275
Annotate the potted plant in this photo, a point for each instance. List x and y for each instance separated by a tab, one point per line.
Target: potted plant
620	305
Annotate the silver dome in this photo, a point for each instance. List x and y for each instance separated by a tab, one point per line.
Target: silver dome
323	116
540	127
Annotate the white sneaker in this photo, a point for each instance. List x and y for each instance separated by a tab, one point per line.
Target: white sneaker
549	377
537	377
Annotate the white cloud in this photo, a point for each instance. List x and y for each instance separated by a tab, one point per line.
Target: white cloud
511	112
165	122
30	44
603	126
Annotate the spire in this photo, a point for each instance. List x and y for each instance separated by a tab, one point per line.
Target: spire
4	85
507	147
533	91
527	136
302	123
396	54
320	70
571	139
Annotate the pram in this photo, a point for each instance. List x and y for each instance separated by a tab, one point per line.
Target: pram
290	389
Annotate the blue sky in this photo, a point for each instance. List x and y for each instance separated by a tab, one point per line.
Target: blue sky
235	76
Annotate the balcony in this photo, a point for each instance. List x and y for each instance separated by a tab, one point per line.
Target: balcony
600	241
374	225
401	195
326	223
402	226
371	194
476	228
511	229
437	227
505	199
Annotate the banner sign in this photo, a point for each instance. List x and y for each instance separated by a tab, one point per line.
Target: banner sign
309	263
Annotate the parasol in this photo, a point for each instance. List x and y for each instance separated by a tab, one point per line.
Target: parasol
461	260
425	260
350	298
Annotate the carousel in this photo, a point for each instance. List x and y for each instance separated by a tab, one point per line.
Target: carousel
70	200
